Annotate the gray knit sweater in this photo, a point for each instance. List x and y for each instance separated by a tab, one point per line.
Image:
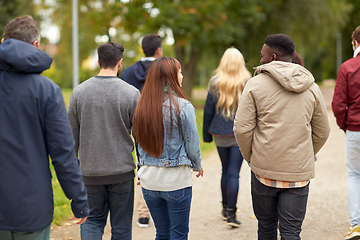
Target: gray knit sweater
100	112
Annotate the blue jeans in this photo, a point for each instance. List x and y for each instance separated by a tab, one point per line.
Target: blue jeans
116	198
352	154
170	212
41	235
231	161
286	206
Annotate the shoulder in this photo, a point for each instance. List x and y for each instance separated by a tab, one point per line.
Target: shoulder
257	80
183	101
128	87
213	87
83	86
43	85
350	63
131	68
315	89
213	80
185	105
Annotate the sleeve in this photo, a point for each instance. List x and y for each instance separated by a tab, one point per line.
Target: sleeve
60	144
245	123
209	111
320	123
191	136
136	101
340	100
74	121
133	105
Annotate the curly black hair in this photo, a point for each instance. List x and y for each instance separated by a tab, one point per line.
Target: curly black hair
281	42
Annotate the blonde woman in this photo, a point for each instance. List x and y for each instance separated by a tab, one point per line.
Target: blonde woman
224	93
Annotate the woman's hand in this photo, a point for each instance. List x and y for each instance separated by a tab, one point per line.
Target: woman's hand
200	173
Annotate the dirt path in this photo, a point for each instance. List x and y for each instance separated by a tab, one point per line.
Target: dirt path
326	218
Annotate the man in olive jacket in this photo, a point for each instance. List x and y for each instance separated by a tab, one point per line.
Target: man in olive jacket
280	124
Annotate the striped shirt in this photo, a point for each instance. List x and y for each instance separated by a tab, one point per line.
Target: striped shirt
281	184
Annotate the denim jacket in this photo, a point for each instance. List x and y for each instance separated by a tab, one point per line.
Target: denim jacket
177	151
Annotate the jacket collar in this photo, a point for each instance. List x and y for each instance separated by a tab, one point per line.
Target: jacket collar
357	51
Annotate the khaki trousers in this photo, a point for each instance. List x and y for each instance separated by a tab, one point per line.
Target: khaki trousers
142	209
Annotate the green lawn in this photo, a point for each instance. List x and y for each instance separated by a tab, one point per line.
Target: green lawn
62	209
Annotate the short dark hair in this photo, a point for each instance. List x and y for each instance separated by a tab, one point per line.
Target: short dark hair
281	42
356	34
150	43
109	54
22	28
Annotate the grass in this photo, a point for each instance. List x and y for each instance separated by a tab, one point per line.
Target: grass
62	209
67	94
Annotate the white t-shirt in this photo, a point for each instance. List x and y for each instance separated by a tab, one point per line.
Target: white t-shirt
165	178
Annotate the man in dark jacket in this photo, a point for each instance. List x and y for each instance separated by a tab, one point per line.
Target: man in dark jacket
33	125
136	75
346	108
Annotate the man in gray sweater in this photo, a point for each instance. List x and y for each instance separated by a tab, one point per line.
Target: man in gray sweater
101	111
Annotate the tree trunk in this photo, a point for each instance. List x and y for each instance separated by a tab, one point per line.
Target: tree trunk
188	60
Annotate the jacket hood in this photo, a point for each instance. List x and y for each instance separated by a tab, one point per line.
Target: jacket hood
141	69
20	56
293	77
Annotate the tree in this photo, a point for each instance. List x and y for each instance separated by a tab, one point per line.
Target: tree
209	27
14	8
354	21
197	27
204	29
313	25
95	20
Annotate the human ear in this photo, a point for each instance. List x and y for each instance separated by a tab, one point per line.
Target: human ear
274	57
356	44
2	40
159	52
36	44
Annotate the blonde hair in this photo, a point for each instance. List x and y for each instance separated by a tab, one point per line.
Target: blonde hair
229	82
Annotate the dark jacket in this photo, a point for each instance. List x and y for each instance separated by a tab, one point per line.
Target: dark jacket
136	73
33	125
214	122
346	100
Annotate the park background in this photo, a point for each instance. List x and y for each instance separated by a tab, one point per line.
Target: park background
196	32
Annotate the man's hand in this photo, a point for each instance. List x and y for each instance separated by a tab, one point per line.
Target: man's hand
82	220
200	173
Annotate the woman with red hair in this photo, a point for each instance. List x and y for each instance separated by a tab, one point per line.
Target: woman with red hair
165	127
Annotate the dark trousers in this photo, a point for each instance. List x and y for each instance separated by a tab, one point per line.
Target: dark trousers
283	206
118	199
231	161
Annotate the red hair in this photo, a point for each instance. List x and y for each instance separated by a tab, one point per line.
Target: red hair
148	127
